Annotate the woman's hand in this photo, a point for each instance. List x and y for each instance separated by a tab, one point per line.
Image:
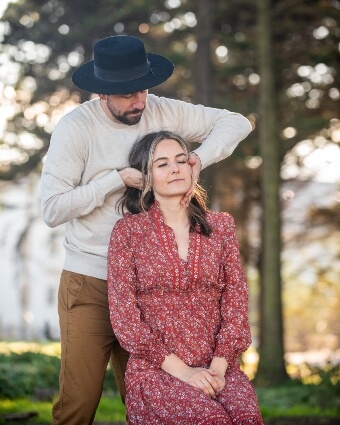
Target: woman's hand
198	377
220	380
219	365
203	379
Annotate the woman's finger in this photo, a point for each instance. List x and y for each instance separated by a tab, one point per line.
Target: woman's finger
207	387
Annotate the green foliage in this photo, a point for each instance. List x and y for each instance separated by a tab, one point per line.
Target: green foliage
67	29
300	399
110	409
292	400
21	405
109	384
24	374
327	392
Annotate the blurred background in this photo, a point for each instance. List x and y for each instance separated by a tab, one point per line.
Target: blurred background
275	62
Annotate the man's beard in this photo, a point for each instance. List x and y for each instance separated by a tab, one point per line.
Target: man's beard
127	118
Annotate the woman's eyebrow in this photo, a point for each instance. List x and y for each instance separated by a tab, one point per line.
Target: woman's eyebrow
162	158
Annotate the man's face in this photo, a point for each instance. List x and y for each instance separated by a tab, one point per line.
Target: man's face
125	108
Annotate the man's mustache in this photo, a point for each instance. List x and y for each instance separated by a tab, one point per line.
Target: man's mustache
135	111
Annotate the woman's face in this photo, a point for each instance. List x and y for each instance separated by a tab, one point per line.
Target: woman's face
171	173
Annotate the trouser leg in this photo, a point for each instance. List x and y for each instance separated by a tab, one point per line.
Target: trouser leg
87	342
119	358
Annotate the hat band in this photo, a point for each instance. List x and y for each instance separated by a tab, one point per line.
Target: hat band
122	76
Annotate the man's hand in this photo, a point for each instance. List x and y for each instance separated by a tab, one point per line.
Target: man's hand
196	165
132	177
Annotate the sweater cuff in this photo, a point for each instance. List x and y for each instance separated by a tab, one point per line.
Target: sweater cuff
206	155
110	183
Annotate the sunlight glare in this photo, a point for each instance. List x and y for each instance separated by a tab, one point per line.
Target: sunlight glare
172	4
289	132
320	32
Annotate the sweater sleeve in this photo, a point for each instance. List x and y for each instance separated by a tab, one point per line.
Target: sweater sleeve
217	130
63	196
132	332
234	336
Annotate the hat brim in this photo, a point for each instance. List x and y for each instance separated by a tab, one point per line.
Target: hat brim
84	78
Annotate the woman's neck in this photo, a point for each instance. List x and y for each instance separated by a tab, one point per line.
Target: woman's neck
174	213
175	216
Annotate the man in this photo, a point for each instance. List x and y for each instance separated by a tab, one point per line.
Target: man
85	173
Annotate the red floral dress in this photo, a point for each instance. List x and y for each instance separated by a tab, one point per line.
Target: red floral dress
197	309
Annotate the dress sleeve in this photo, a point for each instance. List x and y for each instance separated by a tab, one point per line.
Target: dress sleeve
133	333
234	336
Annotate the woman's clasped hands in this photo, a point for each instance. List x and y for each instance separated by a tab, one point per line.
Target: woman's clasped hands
207	380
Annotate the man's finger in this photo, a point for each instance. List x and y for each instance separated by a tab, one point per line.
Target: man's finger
194	159
185	201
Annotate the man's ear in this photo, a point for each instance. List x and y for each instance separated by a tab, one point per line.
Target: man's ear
102	96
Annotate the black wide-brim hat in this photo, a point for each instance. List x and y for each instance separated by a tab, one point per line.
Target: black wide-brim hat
120	66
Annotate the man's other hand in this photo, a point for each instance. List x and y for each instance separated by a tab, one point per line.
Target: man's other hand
196	165
132	177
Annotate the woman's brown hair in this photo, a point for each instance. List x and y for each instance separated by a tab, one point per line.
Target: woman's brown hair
136	201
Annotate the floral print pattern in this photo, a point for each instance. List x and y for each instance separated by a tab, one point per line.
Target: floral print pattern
197	309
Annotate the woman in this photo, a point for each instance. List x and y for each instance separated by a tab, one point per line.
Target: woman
178	297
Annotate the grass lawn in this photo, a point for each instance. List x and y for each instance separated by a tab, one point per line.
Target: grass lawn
312	398
275	403
110	409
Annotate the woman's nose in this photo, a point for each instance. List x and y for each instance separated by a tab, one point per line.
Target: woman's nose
174	168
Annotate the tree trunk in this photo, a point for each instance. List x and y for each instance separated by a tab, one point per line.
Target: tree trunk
271	368
202	70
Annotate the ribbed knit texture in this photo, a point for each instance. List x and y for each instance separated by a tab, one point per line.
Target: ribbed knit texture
80	184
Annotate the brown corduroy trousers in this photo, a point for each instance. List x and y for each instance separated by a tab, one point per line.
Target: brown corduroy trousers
87	345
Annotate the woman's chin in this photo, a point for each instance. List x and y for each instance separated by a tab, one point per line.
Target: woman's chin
174	195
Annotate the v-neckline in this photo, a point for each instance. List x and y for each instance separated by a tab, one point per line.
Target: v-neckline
180	267
175	245
168	235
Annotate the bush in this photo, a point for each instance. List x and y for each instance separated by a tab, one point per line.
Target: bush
320	392
23	374
327	392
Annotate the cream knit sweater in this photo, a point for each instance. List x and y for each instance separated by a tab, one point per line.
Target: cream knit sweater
80	184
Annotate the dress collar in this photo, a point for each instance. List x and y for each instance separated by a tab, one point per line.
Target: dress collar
156	212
